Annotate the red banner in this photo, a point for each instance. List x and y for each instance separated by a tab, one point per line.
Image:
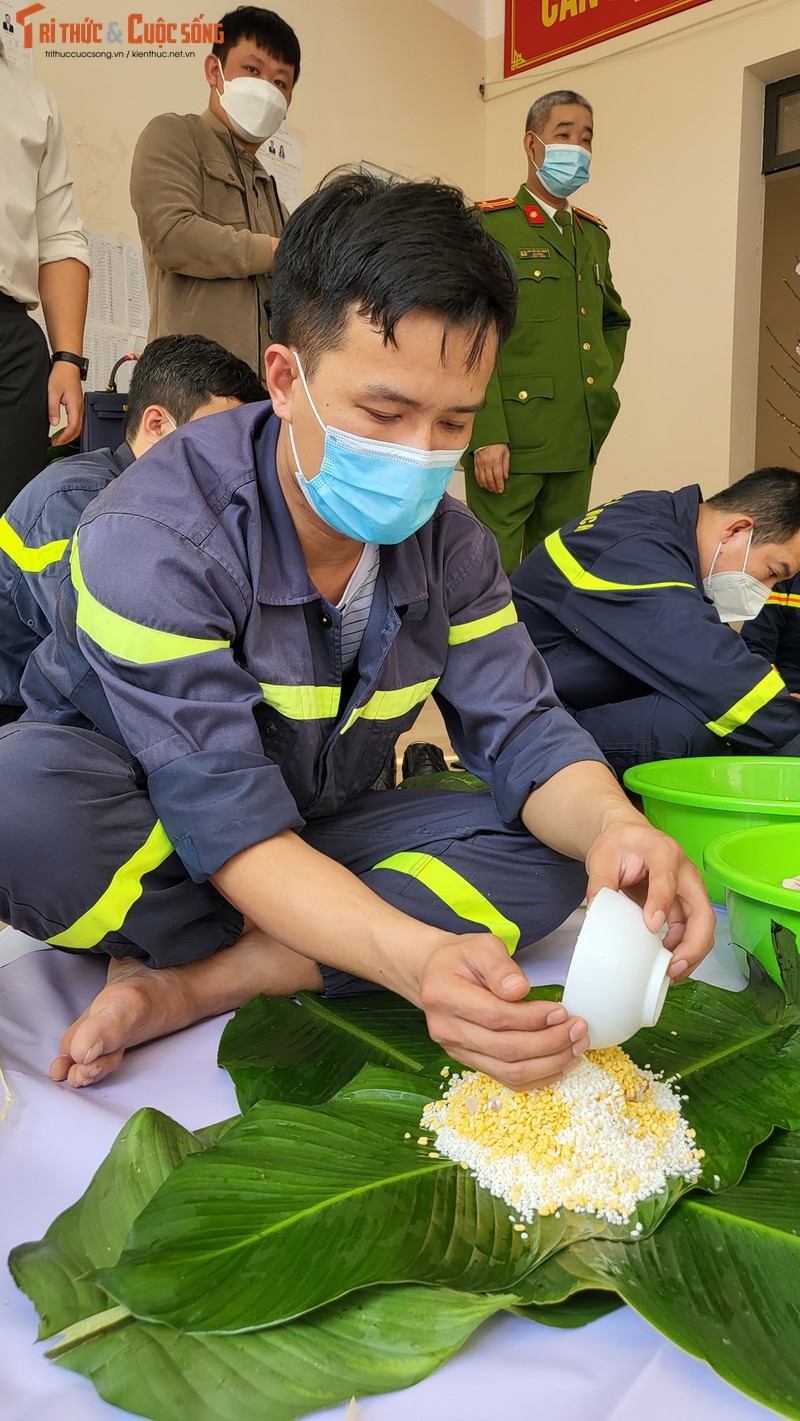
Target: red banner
540	30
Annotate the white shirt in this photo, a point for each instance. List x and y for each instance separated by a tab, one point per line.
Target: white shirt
38	221
356	602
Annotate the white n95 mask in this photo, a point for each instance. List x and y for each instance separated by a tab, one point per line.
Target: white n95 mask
254	106
737	596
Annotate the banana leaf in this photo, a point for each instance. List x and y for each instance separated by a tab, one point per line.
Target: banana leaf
576	1311
380	1340
57	1272
720	1277
738	1054
303	1049
294	1207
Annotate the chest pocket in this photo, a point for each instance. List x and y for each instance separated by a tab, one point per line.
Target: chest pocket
223	194
539	291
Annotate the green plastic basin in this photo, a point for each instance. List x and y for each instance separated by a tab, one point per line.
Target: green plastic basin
698	800
752	863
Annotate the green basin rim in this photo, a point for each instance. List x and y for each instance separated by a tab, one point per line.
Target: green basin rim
700	799
770	894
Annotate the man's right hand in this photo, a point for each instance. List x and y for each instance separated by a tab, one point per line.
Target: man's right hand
491	467
472	994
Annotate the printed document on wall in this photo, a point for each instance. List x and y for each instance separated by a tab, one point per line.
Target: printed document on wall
282	156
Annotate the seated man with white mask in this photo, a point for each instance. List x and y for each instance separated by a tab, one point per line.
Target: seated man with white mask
631	607
252	621
209	214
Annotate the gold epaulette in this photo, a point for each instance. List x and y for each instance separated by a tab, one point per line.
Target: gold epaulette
598	220
496	204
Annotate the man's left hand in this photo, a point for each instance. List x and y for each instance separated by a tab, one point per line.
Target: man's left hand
653	870
64	388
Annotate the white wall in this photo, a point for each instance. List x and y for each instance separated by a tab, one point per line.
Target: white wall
676	176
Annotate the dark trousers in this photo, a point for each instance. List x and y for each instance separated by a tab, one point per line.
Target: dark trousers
647	728
24	424
84	862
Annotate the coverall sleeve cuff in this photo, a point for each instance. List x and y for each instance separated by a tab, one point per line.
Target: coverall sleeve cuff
216	803
550	744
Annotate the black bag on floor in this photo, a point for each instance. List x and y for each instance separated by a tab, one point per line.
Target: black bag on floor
104	413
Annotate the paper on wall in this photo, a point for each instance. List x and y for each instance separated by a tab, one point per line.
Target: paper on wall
117	317
13	40
282	156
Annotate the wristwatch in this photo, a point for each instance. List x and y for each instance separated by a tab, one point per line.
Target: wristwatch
79	360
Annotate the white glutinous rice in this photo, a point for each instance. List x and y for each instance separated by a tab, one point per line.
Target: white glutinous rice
601	1140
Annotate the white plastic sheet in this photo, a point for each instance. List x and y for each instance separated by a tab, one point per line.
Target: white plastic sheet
617	1369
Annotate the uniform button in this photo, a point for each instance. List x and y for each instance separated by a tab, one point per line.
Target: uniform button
583	310
590	379
537	273
523	395
580	278
324	619
587	345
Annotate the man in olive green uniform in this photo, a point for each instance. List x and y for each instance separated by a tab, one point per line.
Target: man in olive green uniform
209	214
551	400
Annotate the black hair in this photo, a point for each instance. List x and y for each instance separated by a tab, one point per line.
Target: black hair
541	108
264	28
184	372
387	248
771	497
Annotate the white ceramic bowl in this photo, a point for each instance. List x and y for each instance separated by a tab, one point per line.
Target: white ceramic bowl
617	979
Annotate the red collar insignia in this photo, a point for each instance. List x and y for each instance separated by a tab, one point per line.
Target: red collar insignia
534	215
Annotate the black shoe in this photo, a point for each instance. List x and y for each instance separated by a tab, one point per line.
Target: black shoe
388	775
422	758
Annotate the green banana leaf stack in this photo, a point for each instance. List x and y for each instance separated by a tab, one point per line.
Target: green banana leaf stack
308	1251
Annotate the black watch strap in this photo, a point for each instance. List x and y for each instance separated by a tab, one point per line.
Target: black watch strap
68	355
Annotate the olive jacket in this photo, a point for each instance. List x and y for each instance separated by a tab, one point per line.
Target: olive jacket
206	211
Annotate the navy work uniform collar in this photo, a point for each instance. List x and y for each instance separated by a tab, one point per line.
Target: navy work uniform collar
686	502
123	456
284	579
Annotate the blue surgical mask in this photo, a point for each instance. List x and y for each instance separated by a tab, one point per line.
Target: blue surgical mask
565	167
372	491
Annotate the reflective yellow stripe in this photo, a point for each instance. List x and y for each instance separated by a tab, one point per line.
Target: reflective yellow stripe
456	892
30	559
483	626
112	907
783	599
746	708
387	705
130	641
302	702
586	581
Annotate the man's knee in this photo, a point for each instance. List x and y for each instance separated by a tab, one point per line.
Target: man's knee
56	783
678	733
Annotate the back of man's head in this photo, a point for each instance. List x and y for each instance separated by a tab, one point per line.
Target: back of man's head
771	497
385	249
266	30
183	373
